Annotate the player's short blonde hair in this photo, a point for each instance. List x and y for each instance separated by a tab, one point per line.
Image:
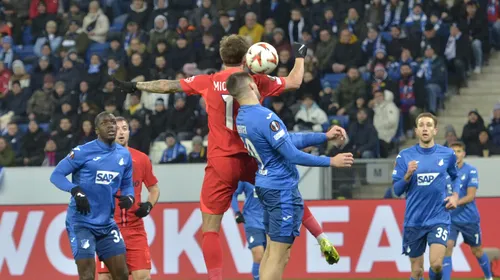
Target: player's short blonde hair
233	49
427	115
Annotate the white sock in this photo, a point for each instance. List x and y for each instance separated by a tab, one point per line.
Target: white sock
321	237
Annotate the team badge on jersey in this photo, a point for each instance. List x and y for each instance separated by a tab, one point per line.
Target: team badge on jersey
71	155
275	126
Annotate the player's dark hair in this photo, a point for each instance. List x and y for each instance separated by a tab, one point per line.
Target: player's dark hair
459	144
122	119
101	116
236	81
233	49
427	115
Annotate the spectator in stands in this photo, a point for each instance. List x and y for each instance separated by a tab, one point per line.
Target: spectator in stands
113	95
175	152
183	53
139	12
374	15
430	38
394	14
207	26
135	108
13	21
310	117
64	136
96	75
382	81
379	58
87	133
457	53
411	98
48	37
5	75
207	7
350	89
161	70
16	100
7	54
477	26
269	26
279	41
7	155
493	14
19	74
40	14
347	53
159	32
248	6
355	24
284	113
296	25
484	147
325	49
310	84
116	69
308	40
494	126
85	94
139	136
185	30
138	70
329	21
69	74
207	56
328	99
285	60
198	152
363	139
32	146
96	23
87	111
133	32
201	126
225	27
52	154
55	59
415	22
42	68
433	71
385	120
181	119
450	135
279	10
66	111
471	130
158	119
74	15
405	58
252	30
397	43
160	8
41	105
13	137
137	47
115	50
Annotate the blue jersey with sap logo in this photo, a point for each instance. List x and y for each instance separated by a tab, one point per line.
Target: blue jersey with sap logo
427	188
467	213
252	208
99	170
267	140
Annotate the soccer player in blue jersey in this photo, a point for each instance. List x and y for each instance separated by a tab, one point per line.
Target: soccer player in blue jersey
99	169
277	152
421	172
253	219
465	219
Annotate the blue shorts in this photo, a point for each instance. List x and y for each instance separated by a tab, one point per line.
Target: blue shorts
255	237
470	232
283	211
85	242
415	239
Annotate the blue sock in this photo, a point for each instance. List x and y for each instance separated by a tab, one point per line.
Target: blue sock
255	271
484	262
447	268
411	278
435	275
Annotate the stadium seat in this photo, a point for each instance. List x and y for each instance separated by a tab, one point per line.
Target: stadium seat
24	51
120	19
366	76
96	48
27	37
342	120
333	79
386	36
23	128
116	27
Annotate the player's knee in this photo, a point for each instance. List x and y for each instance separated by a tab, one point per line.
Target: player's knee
211	222
257	254
104	276
437	265
87	275
417	272
477	251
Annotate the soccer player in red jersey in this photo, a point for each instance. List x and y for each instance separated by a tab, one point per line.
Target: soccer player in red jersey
130	221
228	159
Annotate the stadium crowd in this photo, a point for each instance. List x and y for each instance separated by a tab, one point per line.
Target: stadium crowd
372	66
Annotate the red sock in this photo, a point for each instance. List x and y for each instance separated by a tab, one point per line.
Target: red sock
310	223
212	253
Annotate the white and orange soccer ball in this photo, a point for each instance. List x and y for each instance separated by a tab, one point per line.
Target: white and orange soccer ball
262	58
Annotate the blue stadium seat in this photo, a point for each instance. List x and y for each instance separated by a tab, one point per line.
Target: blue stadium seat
24	51
23	128
366	76
333	79
116	27
343	121
386	36
120	19
27	37
96	48
29	68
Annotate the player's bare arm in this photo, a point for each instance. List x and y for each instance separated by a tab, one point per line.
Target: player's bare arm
154	194
295	77
160	86
469	197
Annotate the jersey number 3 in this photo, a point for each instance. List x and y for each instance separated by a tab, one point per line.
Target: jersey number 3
229	101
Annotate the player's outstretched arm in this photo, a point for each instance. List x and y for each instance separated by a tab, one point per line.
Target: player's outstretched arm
303	140
158	86
295	77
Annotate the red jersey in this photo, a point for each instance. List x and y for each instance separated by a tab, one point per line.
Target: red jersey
142	173
223	138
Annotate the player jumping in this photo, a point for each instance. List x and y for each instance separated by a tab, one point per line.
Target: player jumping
421	172
99	169
276	152
228	159
465	219
130	222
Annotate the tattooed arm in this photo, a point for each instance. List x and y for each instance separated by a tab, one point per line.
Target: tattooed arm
160	86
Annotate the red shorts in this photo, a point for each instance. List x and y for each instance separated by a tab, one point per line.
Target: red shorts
222	175
138	257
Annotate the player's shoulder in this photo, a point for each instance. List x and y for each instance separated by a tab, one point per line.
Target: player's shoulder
470	168
122	150
197	78
258	78
444	149
84	148
405	152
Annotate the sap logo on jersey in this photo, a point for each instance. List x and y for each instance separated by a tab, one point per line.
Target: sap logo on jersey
425	179
105	177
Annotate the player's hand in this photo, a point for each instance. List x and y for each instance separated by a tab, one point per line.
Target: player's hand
412	167
125	201
82	203
342	160
336	133
144	209
451	202
299	50
125	87
239	218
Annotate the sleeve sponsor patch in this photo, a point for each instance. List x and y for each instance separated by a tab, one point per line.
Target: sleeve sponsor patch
278	135
275	126
474	180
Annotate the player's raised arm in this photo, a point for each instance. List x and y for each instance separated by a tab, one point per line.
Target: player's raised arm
158	86
401	175
296	75
303	140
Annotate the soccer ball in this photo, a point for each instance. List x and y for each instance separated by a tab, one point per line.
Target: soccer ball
262	58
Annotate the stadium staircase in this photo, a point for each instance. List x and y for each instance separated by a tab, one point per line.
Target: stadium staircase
482	94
